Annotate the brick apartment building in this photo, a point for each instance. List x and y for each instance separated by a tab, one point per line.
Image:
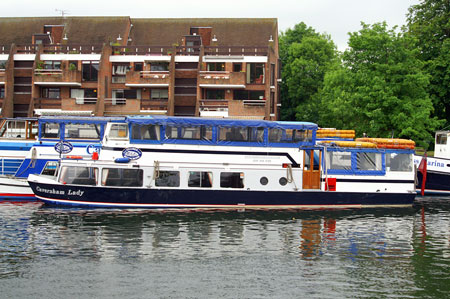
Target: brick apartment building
121	66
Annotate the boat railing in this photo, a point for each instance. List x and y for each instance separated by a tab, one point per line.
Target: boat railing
9	166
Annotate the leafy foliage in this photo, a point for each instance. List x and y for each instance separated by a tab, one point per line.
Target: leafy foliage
429	23
380	89
306	56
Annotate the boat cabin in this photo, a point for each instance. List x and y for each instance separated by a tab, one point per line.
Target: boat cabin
18	128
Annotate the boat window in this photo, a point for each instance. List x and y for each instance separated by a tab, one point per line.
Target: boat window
82	131
241	134
13	129
339	160
78	175
50	168
441	138
277	135
368	161
190	133
50	130
200	179
118	131
399	162
232	179
145	132
168	179
122	177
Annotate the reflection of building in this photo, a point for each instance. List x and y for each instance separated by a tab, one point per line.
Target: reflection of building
310	238
118	65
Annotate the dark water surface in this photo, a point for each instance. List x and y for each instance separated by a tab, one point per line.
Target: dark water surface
373	253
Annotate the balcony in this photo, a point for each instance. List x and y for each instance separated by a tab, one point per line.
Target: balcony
214	108
79	104
121	106
142	50
2	77
154	106
45	103
57	77
147	79
209	79
235	51
72	49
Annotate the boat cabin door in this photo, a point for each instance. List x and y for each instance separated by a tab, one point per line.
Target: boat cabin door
311	168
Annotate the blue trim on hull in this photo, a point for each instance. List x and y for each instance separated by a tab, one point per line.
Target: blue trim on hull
183	198
437	183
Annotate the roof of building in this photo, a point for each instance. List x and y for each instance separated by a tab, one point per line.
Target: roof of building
79	30
164	32
228	31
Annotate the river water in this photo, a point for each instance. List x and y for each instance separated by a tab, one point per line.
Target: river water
368	253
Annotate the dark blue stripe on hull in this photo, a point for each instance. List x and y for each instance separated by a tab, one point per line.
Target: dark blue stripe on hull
435	184
97	196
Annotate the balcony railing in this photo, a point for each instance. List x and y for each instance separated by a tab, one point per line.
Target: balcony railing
148	78
57	77
72	49
4	49
213	105
188	50
46	103
142	50
160	105
26	49
254	102
235	51
84	101
121	106
222	78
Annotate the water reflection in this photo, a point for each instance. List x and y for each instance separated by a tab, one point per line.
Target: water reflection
375	252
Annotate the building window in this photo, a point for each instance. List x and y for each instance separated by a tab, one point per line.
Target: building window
90	70
84	96
216	67
239	94
215	94
50	93
232	179
138	66
255	73
167	179
201	179
159	94
52	65
2	92
126	94
237	67
3	64
159	66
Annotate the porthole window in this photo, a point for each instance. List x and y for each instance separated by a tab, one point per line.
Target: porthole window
264	181
283	181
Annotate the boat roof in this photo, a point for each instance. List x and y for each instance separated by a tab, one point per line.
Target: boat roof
80	119
187	121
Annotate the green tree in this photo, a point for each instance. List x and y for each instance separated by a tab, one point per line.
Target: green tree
381	89
306	56
429	23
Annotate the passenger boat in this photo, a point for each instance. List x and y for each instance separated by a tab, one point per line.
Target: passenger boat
170	162
437	168
34	146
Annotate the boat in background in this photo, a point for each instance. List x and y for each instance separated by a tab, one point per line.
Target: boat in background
437	178
179	162
35	146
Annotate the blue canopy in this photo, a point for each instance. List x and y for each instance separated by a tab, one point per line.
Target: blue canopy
196	121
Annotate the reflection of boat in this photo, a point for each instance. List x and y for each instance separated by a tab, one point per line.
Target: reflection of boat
31	146
437	180
169	162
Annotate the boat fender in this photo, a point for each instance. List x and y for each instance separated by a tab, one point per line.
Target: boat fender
122	160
